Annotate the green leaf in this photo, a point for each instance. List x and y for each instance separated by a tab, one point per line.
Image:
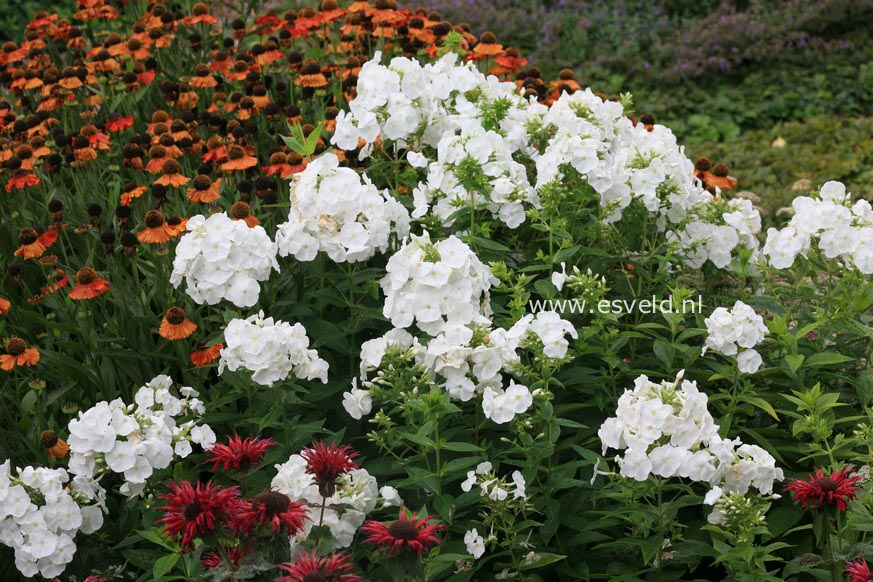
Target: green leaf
825	359
794	362
164	565
546	559
758	402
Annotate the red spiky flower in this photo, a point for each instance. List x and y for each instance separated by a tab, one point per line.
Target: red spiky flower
308	567
239	454
834	490
327	462
407	533
273	510
858	571
193	510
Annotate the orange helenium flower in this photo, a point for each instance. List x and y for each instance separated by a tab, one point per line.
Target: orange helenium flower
238	160
55	446
157	230
31	247
175	325
204	189
208	354
242	211
4	306
18	354
88	285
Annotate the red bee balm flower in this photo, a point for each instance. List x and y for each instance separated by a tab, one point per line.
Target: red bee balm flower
239	454
858	571
406	533
332	568
835	489
274	510
193	510
327	462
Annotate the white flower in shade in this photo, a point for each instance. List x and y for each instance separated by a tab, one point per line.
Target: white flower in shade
220	258
475	543
138	439
339	212
358	402
271	350
749	361
433	284
735	332
390	497
685	443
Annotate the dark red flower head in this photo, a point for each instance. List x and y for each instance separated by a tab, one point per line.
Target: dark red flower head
239	454
327	462
273	510
193	510
310	568
834	490
859	571
406	533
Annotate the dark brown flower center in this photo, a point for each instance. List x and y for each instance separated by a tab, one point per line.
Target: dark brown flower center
316	576
202	182
192	510
201	70
175	315
826	484
160	116
200	9
403	530
48	439
86	276
240	210
154	219
15	346
27	236
277	158
171	166
273	502
24	152
720	170
235	152
134	44
702	164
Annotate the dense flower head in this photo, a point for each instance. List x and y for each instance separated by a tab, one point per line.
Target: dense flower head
339	212
355	494
823	490
433	284
271	350
840	229
220	258
239	454
735	332
666	429
325	462
41	511
272	510
859	571
194	510
308	567
407	534
137	439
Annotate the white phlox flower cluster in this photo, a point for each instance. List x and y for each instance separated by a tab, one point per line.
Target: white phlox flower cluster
339	212
475	170
417	105
475	543
469	360
356	495
736	332
620	161
840	229
41	511
666	430
715	238
136	439
270	350
220	258
432	284
492	487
